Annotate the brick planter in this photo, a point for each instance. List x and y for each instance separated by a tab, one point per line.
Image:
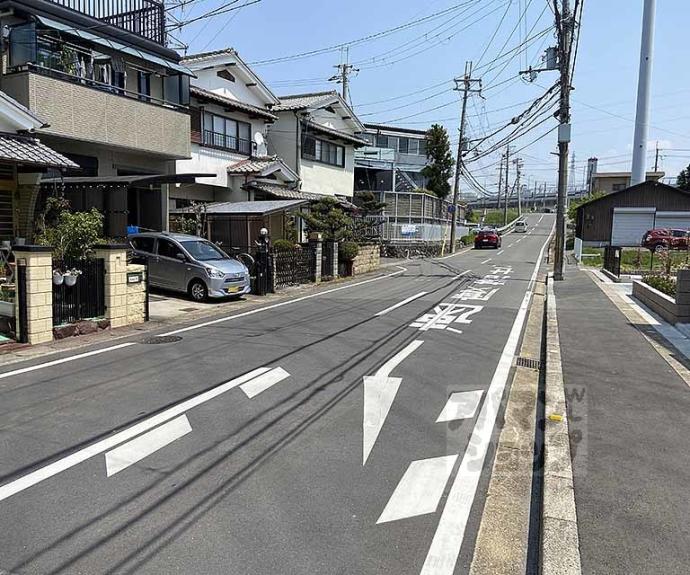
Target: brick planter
669	308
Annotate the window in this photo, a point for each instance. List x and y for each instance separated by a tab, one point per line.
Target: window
23	44
143	244
413	147
204	251
403	145
678	233
371	138
617	187
144	85
422	148
221	132
381	141
168	249
393	143
323	151
176	89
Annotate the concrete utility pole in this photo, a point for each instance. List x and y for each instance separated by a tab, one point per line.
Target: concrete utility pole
644	85
505	204
564	23
500	184
518	173
463	85
534	197
343	76
656	157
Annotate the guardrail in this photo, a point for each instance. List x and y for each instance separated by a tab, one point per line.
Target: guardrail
508	227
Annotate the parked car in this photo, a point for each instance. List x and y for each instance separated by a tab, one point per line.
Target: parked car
190	264
520	227
487	237
664	238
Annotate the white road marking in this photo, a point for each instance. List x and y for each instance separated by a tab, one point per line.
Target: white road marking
461	405
540	219
454	330
34	477
420	489
518	241
129	453
486	261
255	386
445	546
402	303
196	326
510	245
499	253
462	274
379	393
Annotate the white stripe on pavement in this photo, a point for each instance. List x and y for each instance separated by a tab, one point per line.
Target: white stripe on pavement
401	303
255	386
445	546
461	405
129	453
420	489
34	477
499	253
540	219
462	274
486	261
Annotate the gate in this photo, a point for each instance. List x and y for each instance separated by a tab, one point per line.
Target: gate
83	300
23	332
294	266
327	257
612	260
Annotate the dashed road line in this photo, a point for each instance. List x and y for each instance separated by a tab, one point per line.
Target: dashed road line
499	253
486	261
401	303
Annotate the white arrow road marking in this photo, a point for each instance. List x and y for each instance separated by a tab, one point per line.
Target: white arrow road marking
402	303
445	546
255	386
379	394
420	489
31	479
129	453
461	405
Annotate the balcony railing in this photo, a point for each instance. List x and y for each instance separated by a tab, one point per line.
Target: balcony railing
144	18
225	142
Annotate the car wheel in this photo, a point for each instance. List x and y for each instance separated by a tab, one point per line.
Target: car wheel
198	290
660	248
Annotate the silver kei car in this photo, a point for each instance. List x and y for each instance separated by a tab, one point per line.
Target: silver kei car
190	264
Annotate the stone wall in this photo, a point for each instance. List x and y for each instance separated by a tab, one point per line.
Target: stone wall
136	296
368	259
416	249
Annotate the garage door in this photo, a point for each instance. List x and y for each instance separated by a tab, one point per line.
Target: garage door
630	224
674	220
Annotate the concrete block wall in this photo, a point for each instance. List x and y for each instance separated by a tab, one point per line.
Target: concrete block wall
136	296
115	263
672	310
39	292
368	259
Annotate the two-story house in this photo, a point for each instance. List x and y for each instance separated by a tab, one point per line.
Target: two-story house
230	111
316	135
115	99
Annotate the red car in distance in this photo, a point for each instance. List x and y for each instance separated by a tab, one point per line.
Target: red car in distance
664	238
487	238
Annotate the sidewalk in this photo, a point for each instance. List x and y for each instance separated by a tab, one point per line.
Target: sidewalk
628	415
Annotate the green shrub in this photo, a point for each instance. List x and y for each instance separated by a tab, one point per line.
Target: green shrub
283	245
74	234
663	283
468	239
348	251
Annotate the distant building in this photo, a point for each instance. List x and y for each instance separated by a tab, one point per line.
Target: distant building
609	182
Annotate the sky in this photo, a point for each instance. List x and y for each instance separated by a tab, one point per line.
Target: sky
405	76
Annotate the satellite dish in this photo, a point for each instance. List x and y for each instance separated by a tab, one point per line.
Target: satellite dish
258	139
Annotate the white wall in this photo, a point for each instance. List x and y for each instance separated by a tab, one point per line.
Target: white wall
281	139
237	90
331	120
321	178
209	161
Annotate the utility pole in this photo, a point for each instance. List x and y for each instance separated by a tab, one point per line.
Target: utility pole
343	76
505	204
463	85
656	158
534	197
644	84
518	173
564	23
500	184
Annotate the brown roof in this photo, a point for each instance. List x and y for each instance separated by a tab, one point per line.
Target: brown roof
230	103
27	150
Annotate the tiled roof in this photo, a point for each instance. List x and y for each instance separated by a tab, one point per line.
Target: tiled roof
27	150
252	165
302	101
281	191
230	103
205	55
336	133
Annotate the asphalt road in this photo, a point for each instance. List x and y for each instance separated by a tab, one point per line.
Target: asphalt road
345	432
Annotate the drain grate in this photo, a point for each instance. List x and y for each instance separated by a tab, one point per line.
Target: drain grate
156	339
528	362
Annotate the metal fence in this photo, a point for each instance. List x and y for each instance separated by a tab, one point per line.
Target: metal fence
327	258
612	260
294	267
83	300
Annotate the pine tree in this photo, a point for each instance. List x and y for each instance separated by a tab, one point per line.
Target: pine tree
440	168
683	181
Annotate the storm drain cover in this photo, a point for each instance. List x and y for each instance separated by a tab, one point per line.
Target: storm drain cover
161	339
528	362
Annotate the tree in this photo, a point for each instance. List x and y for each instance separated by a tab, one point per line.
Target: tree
683	181
368	204
327	217
440	168
73	234
574	204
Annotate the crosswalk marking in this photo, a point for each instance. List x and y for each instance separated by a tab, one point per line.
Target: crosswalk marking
420	489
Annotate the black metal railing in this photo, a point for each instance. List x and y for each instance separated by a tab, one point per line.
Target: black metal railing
83	300
612	260
296	266
218	140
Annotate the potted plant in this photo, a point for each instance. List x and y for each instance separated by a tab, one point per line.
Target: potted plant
71	276
58	277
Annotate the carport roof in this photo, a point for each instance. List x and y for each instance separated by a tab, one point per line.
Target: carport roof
129	180
246	208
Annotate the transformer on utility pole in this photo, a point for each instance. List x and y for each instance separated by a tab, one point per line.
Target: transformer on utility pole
343	76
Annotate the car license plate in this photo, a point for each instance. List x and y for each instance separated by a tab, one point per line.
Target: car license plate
233	289
485	240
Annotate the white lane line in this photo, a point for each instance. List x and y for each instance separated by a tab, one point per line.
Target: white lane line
402	303
462	251
196	326
540	219
379	393
255	386
461	405
518	241
34	477
462	274
486	261
63	360
499	253
129	453
420	489
445	546
510	245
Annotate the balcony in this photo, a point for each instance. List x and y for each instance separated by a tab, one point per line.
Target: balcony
93	112
145	18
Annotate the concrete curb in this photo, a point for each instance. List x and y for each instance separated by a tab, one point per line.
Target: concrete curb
560	542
